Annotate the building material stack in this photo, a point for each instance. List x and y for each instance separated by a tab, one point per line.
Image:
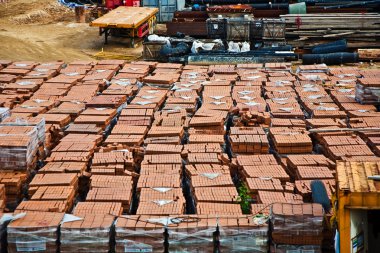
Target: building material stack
306	30
140	233
296	226
367	90
197	162
34	231
89	233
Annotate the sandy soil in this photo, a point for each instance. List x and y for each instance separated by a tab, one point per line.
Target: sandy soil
43	30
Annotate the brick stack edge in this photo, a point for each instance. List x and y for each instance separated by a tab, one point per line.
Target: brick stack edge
149	157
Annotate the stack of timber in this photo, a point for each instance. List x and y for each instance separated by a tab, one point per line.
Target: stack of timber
307	30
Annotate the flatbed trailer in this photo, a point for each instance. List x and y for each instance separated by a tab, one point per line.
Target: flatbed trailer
131	22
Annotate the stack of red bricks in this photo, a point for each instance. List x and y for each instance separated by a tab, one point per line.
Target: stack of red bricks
104	125
34	231
112	163
212	189
159	186
368	87
140	233
164	75
339	146
291	140
306	168
296	224
251	140
95	228
266	180
54	187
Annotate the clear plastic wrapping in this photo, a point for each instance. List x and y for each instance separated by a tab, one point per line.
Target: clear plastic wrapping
17	150
19	144
300	224
34	232
92	233
245	233
39	124
192	233
38	240
4	113
367	95
281	248
135	233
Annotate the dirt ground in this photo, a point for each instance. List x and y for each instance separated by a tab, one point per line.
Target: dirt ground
43	30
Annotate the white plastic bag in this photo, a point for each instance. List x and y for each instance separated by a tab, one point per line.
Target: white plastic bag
245	47
233	47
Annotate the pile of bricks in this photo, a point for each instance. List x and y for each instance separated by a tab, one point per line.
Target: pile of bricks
34	231
367	90
96	228
98	208
112	163
291	140
251	140
160	192
139	233
176	148
297	224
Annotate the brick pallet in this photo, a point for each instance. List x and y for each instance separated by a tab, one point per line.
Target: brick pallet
36	230
96	208
287	220
176	141
96	228
139	232
59	206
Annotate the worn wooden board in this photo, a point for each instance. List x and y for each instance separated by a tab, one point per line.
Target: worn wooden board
125	17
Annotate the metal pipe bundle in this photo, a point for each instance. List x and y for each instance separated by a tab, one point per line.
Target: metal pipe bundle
224	2
332	47
225	59
330	59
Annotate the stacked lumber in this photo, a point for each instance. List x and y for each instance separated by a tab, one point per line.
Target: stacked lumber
306	30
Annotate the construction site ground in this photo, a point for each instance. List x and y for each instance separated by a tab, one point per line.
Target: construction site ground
44	30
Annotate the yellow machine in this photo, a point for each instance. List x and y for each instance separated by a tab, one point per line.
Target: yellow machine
358	207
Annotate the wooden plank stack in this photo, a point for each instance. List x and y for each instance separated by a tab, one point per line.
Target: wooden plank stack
305	30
